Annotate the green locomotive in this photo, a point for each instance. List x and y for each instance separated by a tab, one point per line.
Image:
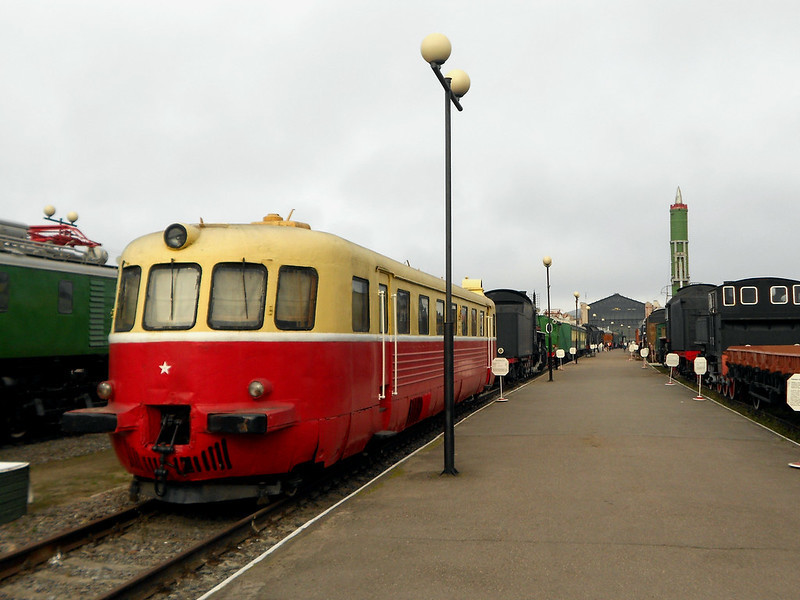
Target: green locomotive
56	301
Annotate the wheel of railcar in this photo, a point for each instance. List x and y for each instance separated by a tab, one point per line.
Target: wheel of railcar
731	389
756	400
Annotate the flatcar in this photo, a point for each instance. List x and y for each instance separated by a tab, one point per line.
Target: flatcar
56	299
243	356
518	338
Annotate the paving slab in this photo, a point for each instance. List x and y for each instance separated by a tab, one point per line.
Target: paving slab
604	483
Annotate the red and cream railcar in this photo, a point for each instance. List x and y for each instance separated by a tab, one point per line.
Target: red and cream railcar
242	354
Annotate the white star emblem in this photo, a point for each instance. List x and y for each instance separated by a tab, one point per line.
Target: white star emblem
165	368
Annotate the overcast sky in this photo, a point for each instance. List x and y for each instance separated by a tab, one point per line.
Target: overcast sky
582	120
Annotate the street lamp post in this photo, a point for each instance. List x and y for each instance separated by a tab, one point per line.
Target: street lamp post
577	323
435	50
547	261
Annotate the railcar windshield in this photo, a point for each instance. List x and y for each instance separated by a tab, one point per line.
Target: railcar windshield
296	302
238	291
127	298
171	300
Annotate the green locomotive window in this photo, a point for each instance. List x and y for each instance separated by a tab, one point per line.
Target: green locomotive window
64	297
3	291
296	304
403	312
423	315
238	292
440	317
171	300
360	304
128	298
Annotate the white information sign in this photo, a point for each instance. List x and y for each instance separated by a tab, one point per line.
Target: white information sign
573	350
673	360
560	353
500	366
793	391
700	365
644	352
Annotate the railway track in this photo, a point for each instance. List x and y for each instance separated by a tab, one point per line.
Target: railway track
149	550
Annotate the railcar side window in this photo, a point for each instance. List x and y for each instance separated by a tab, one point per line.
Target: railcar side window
796	293
481	324
748	295
728	295
296	304
360	304
464	321
3	291
238	291
64	297
128	297
423	315
440	317
403	312
383	293
779	294
474	320
171	298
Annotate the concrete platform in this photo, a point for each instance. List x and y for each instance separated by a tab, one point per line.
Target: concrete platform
604	483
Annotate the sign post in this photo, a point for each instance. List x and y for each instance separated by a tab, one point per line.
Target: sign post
644	352
673	360
500	369
700	368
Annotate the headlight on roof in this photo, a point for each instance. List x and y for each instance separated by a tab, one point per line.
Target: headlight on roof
178	235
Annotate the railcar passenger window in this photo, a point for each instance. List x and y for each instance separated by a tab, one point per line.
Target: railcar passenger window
296	304
749	295
3	292
128	298
779	294
481	324
360	304
64	297
464	321
171	299
423	315
238	291
474	320
403	311
440	317
383	293
796	293
728	295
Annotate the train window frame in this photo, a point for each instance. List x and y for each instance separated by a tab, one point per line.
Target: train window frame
781	291
130	280
251	274
473	317
439	317
464	320
728	295
403	324
796	294
748	289
481	321
66	292
303	308
5	291
383	294
423	315
360	304
153	322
